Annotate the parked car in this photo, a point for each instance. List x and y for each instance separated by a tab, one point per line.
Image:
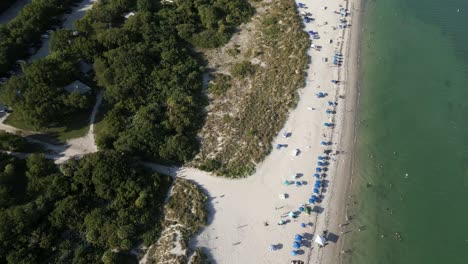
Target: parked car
50	31
45	36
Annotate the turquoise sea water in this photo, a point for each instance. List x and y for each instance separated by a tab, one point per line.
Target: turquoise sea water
411	158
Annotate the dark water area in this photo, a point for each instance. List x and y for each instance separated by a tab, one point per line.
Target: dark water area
410	167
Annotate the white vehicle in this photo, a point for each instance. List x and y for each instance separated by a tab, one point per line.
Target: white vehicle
49	31
295	152
45	36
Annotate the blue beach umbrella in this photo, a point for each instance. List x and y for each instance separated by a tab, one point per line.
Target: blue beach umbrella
317	181
303	225
320	163
293	253
315	191
301	209
330	103
320	157
298	238
317	185
316	175
298	183
311	201
323	143
296	245
318	169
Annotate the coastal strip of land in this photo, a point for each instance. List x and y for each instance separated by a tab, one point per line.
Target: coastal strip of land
244	213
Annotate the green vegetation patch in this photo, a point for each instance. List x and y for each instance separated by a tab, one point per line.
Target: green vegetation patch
26	28
185	214
243	69
16	143
41	103
91	210
73	126
266	75
220	84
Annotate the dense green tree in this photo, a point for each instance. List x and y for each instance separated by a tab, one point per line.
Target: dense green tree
106	201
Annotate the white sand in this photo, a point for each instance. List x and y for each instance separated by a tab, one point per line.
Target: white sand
236	232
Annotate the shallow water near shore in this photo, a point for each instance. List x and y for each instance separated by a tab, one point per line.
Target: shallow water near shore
410	168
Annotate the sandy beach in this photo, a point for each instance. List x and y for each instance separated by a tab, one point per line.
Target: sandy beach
244	213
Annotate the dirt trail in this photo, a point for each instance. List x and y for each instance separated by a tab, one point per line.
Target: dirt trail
72	148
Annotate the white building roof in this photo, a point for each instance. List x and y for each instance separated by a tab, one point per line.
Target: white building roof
77	86
129	14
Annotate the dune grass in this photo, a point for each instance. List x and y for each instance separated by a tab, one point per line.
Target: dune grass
266	74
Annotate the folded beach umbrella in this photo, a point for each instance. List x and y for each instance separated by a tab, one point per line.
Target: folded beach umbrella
315	191
298	238
318	169
293	253
296	245
320	240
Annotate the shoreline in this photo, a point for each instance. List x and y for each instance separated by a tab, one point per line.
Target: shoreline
346	131
344	167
